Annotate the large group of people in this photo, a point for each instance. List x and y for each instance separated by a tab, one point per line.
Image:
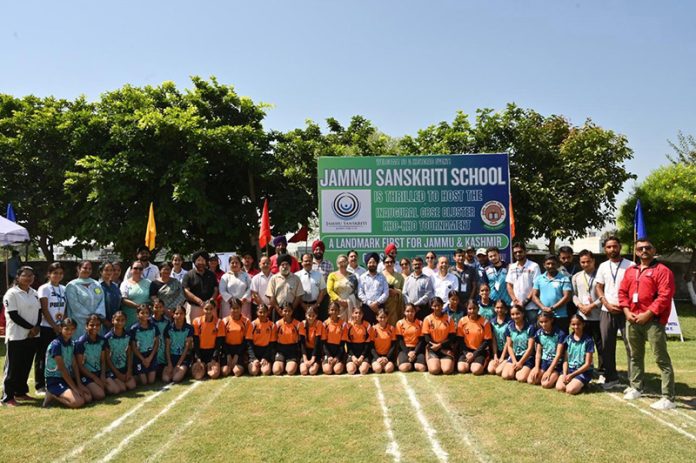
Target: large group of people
481	315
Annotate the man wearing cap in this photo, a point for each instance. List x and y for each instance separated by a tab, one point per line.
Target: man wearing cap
313	285
373	289
281	249
390	251
324	266
200	285
467	286
150	270
284	288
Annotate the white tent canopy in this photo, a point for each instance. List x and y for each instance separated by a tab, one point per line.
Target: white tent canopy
11	233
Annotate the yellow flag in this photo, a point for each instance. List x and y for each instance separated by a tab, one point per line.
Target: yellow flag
151	231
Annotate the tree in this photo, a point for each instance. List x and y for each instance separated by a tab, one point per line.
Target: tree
668	200
39	139
684	149
564	179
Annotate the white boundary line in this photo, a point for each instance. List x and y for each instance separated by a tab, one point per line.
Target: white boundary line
393	447
673	411
430	432
655	417
176	434
109	456
458	423
114	424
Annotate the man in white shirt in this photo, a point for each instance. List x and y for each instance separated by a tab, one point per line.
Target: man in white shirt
353	265
609	276
259	284
520	281
443	280
313	285
150	270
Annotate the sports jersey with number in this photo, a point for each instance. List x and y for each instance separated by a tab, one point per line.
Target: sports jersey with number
411	331
474	332
91	350
335	331
261	333
315	331
439	328
144	336
235	330
177	337
208	331
118	348
288	333
577	349
383	338
549	342
519	338
59	348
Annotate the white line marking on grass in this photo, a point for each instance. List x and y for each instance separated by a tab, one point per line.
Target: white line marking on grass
393	447
109	456
655	417
673	411
458	423
114	424
176	434
439	452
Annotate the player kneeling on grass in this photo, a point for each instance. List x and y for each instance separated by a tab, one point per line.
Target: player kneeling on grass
178	344
62	377
359	342
236	326
519	345
548	361
162	323
289	334
90	354
335	345
410	340
261	338
144	342
314	336
474	332
498	325
208	339
119	357
440	338
577	367
383	344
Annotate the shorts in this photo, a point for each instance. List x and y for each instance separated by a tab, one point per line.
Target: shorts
480	358
545	364
139	368
206	355
175	360
403	356
336	352
264	352
529	363
110	374
356	350
85	380
440	354
585	378
234	349
287	353
56	386
389	357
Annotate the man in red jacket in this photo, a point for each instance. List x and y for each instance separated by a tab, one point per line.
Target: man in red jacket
645	295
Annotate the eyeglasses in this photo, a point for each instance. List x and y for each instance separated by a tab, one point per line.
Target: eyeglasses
429	257
645	248
388	262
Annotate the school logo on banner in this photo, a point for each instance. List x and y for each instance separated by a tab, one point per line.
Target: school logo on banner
346	210
493	214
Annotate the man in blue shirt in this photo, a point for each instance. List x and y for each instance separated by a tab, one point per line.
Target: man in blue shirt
373	289
552	291
496	273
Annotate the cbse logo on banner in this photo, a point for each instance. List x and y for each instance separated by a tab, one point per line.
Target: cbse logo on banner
346	211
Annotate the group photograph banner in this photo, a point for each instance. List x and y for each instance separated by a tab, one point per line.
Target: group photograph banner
421	203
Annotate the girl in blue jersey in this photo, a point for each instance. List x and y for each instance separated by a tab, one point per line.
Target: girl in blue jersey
62	378
89	354
144	343
548	361
577	366
498	325
158	312
118	353
486	305
453	308
178	340
519	345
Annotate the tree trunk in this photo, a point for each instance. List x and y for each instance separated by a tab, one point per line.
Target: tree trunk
552	244
691	275
46	248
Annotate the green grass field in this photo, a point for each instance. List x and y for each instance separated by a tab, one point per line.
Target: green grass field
421	418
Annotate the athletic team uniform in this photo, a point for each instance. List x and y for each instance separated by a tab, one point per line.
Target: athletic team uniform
162	325
177	342
410	338
235	336
144	339
55	383
335	339
520	339
384	342
498	331
437	330
576	350
313	340
358	339
549	343
117	350
92	353
476	338
208	338
288	337
487	311
262	338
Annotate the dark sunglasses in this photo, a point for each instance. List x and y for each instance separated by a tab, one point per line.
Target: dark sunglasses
645	248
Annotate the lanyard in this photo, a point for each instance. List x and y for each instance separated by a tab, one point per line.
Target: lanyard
57	294
614	274
591	280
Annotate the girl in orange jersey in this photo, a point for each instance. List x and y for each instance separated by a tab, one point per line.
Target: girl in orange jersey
235	340
335	344
208	340
358	342
439	335
383	344
289	333
314	336
475	336
410	340
261	338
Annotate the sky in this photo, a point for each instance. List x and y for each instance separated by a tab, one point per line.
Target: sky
630	66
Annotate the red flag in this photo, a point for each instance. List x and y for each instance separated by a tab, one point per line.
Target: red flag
301	235
512	221
265	231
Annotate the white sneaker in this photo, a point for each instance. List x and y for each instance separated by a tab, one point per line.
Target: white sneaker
663	404
41	391
625	391
601	379
632	394
607	385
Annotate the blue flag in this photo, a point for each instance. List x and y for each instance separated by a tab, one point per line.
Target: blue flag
10	213
639	227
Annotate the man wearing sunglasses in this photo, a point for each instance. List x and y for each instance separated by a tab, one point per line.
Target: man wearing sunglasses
645	295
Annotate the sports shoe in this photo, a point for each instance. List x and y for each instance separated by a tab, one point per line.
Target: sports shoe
663	404
601	379
41	391
627	389
632	394
607	385
10	403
